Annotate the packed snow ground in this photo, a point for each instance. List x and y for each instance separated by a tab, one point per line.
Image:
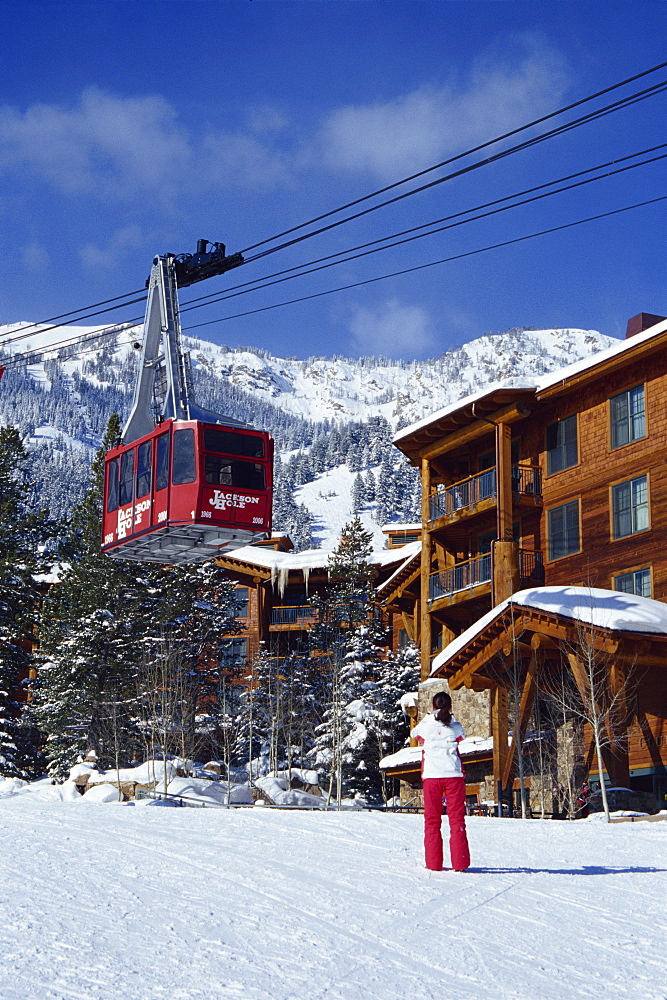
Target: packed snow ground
140	903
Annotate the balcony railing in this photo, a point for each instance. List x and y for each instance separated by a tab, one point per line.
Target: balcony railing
478	570
292	615
464	576
451	500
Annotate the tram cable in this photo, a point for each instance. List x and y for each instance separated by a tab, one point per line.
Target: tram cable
560	130
469	152
194	304
73	312
592	116
245	287
421	267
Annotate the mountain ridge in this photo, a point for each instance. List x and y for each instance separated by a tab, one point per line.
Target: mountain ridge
321	410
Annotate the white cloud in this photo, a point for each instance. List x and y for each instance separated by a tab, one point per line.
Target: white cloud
267	120
35	256
130	147
121	242
389	139
243	161
109	145
392	330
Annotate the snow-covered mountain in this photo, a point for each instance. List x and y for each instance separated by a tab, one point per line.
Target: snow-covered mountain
61	398
340	389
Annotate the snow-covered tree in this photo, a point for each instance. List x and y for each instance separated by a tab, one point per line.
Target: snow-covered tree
342	635
396	675
358	493
22	528
90	639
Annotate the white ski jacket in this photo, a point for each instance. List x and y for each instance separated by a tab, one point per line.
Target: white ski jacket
440	752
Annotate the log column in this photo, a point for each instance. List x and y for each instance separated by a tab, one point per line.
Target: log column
499	732
505	551
425	631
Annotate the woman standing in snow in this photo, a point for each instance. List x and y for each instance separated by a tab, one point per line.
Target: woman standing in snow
442	775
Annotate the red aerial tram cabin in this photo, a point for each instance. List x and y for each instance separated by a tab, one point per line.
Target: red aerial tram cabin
184	483
187	491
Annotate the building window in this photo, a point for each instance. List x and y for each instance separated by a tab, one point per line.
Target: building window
563	525
628	416
630	507
637	582
233	653
242	597
562	444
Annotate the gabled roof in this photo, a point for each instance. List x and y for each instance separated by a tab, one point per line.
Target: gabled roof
464	411
276	566
410	566
481	404
606	610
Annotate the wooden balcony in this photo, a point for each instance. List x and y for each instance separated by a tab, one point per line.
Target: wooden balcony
479	493
473	577
286	617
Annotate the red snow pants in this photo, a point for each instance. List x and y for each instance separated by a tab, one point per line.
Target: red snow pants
454	791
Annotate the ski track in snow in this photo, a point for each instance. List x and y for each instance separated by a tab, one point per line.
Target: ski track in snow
110	902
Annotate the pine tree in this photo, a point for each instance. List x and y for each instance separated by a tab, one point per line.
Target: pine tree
397	675
362	718
89	639
358	493
22	529
343	622
370	492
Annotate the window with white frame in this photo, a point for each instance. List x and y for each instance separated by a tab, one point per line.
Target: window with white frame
563	527
637	581
630	507
562	450
627	413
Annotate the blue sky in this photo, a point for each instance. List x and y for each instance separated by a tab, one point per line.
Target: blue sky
134	128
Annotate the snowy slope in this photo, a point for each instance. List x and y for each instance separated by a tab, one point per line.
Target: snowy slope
329	499
142	903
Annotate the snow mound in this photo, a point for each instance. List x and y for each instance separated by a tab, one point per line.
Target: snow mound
279	792
11	786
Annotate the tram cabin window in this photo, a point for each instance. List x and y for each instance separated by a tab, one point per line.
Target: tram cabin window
184	457
126	476
162	462
144	469
231	443
112	486
221	471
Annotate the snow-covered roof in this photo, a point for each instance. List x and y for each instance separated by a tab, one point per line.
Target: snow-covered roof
563	374
608	609
540	385
400	554
54	575
281	563
459	404
409	551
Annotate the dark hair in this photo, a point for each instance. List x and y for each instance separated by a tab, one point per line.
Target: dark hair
442	707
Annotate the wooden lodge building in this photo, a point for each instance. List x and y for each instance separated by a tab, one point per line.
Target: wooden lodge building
275	586
556	482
